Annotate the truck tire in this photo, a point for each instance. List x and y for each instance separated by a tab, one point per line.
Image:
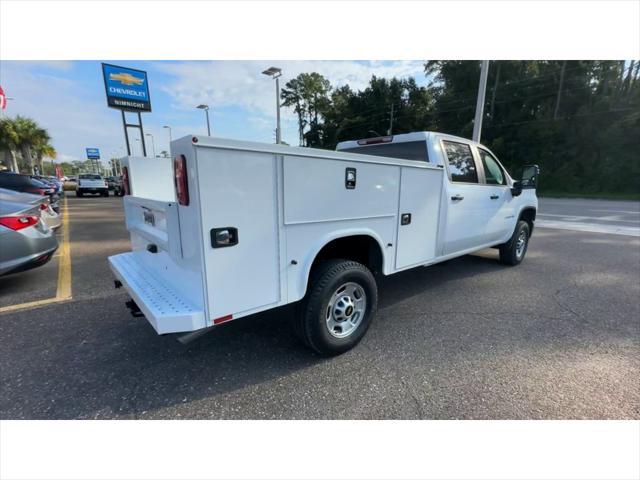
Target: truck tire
340	304
513	252
79	193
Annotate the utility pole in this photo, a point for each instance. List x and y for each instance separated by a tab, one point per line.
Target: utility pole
482	90
390	131
495	89
557	110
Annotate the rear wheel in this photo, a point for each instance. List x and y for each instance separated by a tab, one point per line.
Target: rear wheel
340	304
513	252
105	193
78	193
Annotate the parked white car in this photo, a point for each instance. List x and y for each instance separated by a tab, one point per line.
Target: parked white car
91	183
252	226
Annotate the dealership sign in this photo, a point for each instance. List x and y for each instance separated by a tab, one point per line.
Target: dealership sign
93	154
127	88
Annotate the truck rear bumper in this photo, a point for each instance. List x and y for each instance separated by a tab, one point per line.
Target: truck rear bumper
164	308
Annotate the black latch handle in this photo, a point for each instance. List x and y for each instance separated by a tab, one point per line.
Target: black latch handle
224	237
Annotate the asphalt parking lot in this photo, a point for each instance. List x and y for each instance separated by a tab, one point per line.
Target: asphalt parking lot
557	337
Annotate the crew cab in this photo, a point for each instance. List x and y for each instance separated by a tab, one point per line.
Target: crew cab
231	228
91	183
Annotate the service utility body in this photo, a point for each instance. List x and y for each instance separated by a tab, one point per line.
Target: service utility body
227	228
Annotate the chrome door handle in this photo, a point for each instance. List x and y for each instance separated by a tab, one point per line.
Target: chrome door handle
457	197
494	197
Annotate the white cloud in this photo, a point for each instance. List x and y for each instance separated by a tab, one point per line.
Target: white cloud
240	83
66	108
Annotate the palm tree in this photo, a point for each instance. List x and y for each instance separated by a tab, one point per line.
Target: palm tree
9	141
30	138
45	150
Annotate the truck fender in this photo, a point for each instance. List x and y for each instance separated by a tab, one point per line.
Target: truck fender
528	211
305	271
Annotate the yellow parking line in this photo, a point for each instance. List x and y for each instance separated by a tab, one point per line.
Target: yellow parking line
63	290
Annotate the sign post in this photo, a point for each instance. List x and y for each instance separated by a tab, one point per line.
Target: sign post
127	90
93	154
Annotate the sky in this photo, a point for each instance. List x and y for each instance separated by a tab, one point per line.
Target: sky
68	99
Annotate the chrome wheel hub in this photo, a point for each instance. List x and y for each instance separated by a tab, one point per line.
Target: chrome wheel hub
521	243
346	309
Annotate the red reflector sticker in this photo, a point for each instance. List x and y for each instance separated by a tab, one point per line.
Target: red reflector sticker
226	318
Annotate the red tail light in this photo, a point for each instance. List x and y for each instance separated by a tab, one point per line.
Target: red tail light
125	181
19	222
180	179
43	206
37	191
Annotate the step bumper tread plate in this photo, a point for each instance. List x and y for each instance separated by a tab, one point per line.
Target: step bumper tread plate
164	308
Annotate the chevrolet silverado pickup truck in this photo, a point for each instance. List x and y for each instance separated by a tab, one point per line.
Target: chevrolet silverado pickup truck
227	228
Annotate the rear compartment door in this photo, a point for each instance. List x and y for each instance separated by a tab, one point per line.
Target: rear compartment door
238	190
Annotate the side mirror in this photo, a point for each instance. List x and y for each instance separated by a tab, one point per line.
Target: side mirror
529	177
516	189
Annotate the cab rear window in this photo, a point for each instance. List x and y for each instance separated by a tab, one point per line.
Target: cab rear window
404	150
90	177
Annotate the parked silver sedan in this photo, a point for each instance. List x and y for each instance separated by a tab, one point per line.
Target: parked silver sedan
26	241
48	214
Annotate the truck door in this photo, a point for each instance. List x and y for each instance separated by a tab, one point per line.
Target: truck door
467	200
501	209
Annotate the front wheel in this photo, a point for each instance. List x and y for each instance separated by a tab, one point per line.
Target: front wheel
513	252
340	304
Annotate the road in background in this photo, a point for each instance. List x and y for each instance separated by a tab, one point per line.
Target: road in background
603	216
556	337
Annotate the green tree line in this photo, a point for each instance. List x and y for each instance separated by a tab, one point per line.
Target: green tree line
578	120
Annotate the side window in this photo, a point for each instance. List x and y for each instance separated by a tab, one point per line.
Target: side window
461	164
492	171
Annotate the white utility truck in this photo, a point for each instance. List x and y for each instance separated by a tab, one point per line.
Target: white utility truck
229	228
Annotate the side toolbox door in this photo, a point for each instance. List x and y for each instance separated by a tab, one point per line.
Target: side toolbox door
239	208
418	213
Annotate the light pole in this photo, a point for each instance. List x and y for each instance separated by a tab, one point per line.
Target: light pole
276	73
206	111
153	144
169	128
143	152
170	139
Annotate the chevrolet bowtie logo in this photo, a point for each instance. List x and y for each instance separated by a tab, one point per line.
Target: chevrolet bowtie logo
126	78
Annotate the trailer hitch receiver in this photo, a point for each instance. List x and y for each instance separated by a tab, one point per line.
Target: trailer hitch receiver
134	308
